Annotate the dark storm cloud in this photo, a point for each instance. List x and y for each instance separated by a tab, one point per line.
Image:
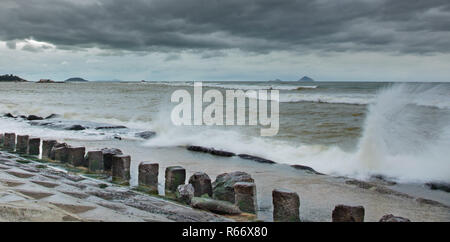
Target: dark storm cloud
403	26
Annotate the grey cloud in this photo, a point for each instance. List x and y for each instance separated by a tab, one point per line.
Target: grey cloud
172	57
259	26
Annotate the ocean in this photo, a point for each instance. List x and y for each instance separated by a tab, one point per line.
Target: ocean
353	129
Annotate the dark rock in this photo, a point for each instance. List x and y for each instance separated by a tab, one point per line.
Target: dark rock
22	116
9	115
392	218
111	127
430	202
439	186
201	183
145	134
383	180
34	117
117	137
108	153
307	169
286	206
215	206
75	127
223	186
343	213
361	184
52	116
185	193
211	151
175	176
245	196
256	158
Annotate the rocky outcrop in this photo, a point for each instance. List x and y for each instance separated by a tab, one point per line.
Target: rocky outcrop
439	186
75	127
211	151
215	206
392	218
256	158
145	134
111	127
34	117
223	186
52	116
9	115
307	169
201	183
46	81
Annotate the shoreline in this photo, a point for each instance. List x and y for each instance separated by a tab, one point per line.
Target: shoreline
376	197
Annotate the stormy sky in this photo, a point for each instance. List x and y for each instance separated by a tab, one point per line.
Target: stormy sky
185	40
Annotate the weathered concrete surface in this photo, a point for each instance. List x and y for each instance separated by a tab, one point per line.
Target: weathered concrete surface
37	192
148	175
47	146
286	205
175	176
34	145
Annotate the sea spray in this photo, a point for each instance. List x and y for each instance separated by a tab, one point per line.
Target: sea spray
405	139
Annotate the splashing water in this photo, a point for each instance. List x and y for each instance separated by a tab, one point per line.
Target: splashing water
403	138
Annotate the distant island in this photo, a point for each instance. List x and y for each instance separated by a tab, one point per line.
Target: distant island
11	78
47	81
306	79
76	79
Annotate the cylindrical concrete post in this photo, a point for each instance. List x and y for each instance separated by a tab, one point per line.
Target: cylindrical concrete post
121	167
175	176
286	206
9	142
201	183
47	146
95	161
148	175
22	144
76	156
34	145
60	152
245	196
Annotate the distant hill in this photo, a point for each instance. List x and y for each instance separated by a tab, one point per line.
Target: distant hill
306	79
76	79
11	78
